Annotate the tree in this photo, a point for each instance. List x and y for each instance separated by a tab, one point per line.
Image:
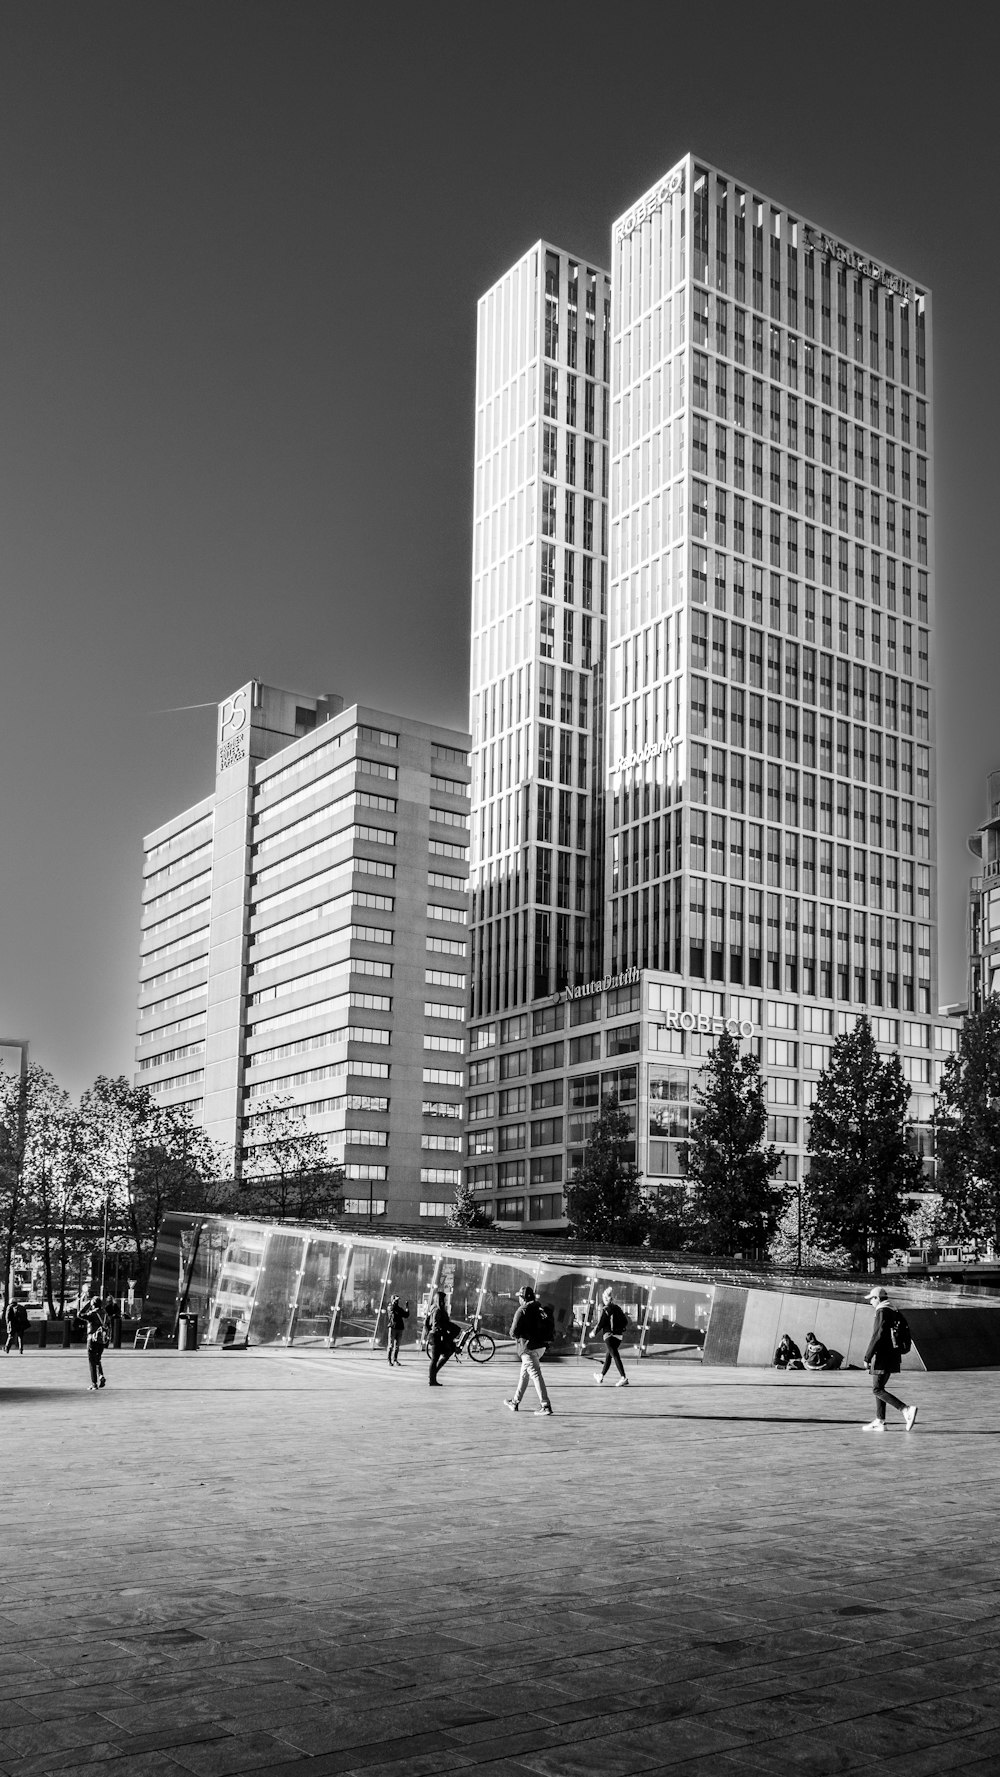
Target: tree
863	1168
49	1197
605	1201
466	1212
967	1134
13	1140
288	1169
734	1204
173	1166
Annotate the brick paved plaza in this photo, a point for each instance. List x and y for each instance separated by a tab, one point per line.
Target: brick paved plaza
306	1563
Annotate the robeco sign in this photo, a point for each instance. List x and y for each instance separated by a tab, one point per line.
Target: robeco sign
710	1027
654	200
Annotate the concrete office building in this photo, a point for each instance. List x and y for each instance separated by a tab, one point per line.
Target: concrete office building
770	834
539	595
304	939
984	905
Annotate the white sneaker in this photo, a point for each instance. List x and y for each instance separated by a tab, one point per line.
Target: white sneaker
598	1377
543	1412
910	1415
622	1382
874	1425
512	1405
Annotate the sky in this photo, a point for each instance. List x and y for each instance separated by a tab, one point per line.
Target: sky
241	246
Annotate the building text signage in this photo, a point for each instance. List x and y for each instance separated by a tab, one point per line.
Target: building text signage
652	750
869	268
609	981
654	200
712	1027
234	716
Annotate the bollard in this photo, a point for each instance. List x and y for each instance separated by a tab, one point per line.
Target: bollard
67	1327
43	1334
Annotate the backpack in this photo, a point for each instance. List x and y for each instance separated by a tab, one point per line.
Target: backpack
899	1333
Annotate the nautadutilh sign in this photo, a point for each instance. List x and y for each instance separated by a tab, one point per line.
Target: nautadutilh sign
869	268
582	993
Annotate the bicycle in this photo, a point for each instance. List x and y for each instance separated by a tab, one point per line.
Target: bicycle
475	1343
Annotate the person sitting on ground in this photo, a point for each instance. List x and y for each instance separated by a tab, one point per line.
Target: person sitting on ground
817	1357
788	1356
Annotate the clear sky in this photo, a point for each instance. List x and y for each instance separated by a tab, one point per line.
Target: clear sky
241	243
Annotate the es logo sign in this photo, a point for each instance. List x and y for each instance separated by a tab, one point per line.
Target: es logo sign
234	716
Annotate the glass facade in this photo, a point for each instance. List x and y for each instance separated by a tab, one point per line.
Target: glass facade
300	1286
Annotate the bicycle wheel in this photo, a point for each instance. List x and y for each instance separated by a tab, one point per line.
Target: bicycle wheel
480	1347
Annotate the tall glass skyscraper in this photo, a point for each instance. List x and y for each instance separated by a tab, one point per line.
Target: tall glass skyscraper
771	600
768	781
539	595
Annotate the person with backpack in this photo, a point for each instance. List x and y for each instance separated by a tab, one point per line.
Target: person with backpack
532	1327
611	1327
889	1343
16	1317
398	1317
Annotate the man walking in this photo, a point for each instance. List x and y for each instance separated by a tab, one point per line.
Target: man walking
443	1341
16	1318
531	1330
883	1360
611	1327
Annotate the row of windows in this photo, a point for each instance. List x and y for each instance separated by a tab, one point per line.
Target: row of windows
817	867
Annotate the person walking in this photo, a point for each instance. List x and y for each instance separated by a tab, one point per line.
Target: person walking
530	1327
883	1360
443	1340
398	1317
16	1318
96	1341
611	1327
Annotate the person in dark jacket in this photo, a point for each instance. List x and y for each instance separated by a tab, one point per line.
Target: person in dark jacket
611	1327
530	1328
97	1339
816	1356
788	1356
16	1317
883	1361
398	1317
443	1341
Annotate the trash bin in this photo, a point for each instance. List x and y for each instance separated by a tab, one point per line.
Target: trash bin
187	1332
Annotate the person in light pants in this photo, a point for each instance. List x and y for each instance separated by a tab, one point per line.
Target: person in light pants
529	1329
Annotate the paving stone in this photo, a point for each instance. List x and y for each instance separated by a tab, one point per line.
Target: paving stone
291	1567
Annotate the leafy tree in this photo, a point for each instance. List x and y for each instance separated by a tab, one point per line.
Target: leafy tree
863	1168
13	1142
466	1212
734	1203
967	1134
172	1169
50	1199
287	1169
605	1200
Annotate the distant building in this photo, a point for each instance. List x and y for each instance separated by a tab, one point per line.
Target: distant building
984	905
304	938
